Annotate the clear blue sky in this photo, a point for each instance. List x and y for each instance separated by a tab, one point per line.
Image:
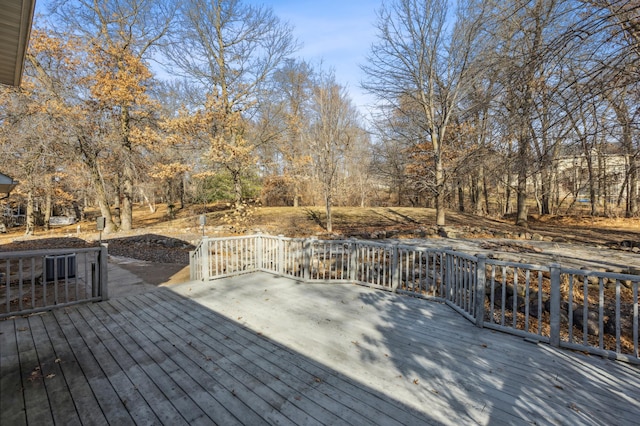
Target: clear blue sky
338	32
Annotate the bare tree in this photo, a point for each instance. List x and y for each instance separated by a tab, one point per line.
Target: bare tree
230	50
524	57
294	81
418	57
333	129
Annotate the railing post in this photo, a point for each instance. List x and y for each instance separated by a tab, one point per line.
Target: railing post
306	263
205	248
104	277
191	265
447	274
554	320
480	289
395	269
352	259
258	256
280	254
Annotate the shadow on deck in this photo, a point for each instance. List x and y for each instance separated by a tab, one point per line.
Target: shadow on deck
257	349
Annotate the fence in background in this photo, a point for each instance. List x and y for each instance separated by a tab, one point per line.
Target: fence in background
590	311
39	280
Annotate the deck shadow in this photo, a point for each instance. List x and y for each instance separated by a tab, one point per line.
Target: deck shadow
161	358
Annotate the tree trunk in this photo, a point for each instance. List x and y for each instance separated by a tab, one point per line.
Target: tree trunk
47	209
485	191
460	196
183	190
634	189
605	187
296	193
476	193
521	206
126	212
592	184
237	189
545	196
96	178
507	190
30	215
521	200
328	210
440	194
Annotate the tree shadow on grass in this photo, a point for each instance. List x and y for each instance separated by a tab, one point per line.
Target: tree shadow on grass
315	217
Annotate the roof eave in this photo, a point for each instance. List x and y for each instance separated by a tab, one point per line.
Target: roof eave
20	40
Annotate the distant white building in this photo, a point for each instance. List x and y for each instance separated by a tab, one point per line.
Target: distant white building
609	171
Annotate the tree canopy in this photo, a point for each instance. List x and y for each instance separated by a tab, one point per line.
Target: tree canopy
492	107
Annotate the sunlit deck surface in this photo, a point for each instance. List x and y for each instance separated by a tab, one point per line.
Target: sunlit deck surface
258	349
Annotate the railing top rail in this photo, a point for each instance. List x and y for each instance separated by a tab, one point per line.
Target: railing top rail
530	266
371	243
459	254
46	252
334	242
421	248
239	237
597	274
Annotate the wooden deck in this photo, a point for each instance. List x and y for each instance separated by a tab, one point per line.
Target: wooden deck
257	349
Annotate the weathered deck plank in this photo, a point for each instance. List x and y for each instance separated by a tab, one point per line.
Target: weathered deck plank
62	408
133	365
262	350
221	371
11	411
304	335
477	371
36	401
171	379
326	406
130	395
85	402
204	390
299	373
111	405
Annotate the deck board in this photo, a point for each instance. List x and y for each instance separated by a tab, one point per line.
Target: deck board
145	376
89	367
299	372
36	401
86	404
170	377
327	406
243	365
62	408
11	411
184	357
257	349
128	393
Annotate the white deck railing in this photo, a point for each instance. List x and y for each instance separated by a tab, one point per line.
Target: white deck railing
590	311
39	280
